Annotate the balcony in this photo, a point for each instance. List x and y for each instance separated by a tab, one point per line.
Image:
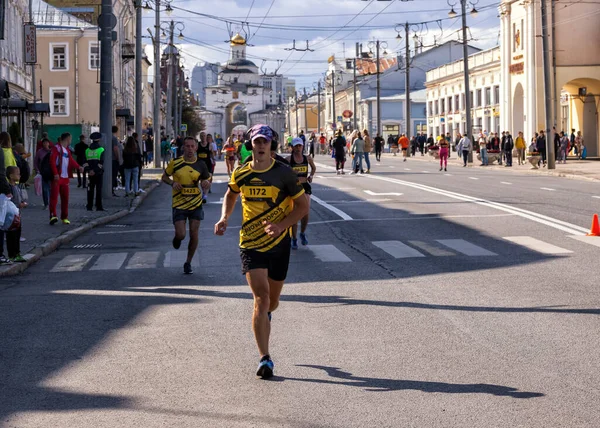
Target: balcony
127	51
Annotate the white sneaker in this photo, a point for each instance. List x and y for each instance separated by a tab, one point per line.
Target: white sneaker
21	239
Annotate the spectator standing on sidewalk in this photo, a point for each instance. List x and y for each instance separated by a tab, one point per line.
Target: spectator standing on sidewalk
5	190
483	149
37	165
520	145
149	144
564	148
13	237
132	159
357	149
117	159
509	145
464	147
378	147
94	166
579	144
572	141
541	146
368	148
502	153
80	149
62	165
339	151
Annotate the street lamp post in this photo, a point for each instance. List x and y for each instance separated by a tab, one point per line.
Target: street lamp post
468	113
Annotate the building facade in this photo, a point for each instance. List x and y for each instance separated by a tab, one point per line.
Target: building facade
203	75
446	95
574	68
15	77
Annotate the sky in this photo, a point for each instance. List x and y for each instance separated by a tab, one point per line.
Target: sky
332	27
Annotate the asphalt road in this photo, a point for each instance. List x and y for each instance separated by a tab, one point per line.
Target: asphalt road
422	300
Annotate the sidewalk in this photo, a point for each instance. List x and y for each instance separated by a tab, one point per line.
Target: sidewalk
577	169
41	239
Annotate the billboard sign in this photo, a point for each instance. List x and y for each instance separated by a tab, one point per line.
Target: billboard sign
30	44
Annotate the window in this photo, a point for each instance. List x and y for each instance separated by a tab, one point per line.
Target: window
472	100
268	84
496	94
449	104
488	97
59	101
94	55
430	108
479	101
456	102
462	102
59	57
442	106
436	106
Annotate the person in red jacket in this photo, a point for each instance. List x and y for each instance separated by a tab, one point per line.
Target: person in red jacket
62	165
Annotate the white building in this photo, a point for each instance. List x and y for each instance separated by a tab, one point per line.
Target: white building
15	77
446	95
203	75
278	88
238	100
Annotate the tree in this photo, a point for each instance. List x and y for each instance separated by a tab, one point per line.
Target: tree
190	116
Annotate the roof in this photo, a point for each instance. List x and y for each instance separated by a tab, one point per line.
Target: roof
48	16
419	96
232	71
239	62
237	40
369	66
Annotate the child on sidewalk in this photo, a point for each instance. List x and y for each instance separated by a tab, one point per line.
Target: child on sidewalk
13	237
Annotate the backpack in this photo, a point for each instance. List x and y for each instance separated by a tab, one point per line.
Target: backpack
45	169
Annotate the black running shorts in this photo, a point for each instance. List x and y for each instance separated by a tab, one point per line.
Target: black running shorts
276	260
307	188
183	215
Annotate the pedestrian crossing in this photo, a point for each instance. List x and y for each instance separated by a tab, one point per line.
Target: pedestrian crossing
327	253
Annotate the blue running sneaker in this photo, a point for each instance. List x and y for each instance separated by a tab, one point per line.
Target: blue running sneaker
303	239
265	369
294	244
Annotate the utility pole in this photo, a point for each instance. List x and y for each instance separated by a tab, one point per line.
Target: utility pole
305	115
550	155
106	98
319	106
354	114
469	130
170	82
33	86
333	77
157	90
407	88
378	93
138	72
181	95
296	107
289	115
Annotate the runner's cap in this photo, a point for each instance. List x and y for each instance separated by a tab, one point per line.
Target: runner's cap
297	141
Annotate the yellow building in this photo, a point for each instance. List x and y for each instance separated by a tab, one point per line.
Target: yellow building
575	68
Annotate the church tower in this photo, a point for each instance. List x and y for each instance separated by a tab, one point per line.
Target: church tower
238	47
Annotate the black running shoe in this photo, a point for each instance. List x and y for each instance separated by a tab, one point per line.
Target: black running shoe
176	243
187	269
265	369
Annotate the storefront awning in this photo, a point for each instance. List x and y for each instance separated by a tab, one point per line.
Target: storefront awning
130	120
123	112
14	104
38	108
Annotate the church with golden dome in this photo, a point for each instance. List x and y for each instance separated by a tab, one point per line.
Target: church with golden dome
239	99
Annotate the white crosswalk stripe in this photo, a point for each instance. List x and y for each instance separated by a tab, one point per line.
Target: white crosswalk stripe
397	249
72	263
466	247
432	250
110	261
178	258
143	260
537	245
328	253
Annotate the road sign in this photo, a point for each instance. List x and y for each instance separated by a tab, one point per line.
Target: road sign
183	127
30	44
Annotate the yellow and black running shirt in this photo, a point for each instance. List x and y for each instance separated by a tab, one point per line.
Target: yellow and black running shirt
188	174
266	196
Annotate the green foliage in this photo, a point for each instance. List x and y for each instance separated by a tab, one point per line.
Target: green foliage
194	122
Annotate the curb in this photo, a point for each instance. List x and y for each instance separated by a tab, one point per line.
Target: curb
526	171
53	244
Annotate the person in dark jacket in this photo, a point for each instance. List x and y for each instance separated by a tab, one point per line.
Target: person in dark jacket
132	160
508	148
339	147
80	149
541	146
94	168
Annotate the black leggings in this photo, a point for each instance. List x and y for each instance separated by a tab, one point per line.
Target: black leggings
377	152
339	162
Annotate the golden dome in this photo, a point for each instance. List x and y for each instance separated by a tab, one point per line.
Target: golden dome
238	40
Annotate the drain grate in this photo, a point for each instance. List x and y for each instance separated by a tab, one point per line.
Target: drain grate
86	246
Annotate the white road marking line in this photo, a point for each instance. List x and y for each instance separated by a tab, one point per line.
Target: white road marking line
178	258
143	260
391	166
592	240
548	189
473	178
573	229
333	209
358	201
505	182
115	232
425	172
369	192
72	263
397	249
448	175
320	176
466	247
110	261
327	189
328	253
536	245
407	169
434	251
597	197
